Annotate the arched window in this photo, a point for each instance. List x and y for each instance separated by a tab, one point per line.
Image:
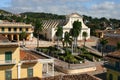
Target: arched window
110	77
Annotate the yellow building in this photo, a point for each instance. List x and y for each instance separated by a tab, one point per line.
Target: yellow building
12	30
113	66
16	63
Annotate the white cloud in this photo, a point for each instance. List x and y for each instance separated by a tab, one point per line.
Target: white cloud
105	8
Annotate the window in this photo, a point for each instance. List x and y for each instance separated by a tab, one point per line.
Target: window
3	29
8	75
110	77
8	56
9	29
26	29
20	29
30	72
15	29
117	65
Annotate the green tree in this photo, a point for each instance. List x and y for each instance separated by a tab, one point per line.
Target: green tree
66	38
103	43
59	34
118	45
75	31
84	36
38	29
23	35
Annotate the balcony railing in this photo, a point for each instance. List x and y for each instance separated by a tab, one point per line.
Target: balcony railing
15	31
7	62
109	66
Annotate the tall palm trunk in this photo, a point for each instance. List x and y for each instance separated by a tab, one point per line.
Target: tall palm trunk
38	41
102	51
72	47
84	42
75	44
57	42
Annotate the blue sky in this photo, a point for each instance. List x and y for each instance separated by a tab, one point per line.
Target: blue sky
94	8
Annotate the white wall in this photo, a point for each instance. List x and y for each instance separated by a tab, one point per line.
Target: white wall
68	26
73	17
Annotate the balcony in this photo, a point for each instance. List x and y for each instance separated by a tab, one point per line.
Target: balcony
112	67
7	62
12	32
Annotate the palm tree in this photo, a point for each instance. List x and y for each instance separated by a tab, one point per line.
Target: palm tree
84	36
67	39
59	34
75	31
37	30
103	43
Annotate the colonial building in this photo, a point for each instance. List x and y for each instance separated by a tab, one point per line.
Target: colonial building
108	32
12	30
50	26
16	63
113	66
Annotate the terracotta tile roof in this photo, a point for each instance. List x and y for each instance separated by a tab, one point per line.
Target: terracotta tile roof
105	31
29	55
113	40
66	77
24	55
118	31
114	55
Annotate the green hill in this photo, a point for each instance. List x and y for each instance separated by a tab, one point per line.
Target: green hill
92	22
4	12
43	15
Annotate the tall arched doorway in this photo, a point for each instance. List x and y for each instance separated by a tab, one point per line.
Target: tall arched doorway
9	37
15	37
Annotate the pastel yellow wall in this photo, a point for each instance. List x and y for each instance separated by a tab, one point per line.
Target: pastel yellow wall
17	29
13	68
5	29
2	71
6	32
37	69
15	53
114	73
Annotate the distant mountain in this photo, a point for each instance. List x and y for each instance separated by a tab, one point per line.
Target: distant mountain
42	15
4	12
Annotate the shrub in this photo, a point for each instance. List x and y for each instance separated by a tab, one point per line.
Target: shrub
78	58
62	58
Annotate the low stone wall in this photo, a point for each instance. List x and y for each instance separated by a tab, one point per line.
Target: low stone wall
74	71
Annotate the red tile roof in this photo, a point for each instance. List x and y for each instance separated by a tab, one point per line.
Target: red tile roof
114	55
66	77
29	55
113	40
24	55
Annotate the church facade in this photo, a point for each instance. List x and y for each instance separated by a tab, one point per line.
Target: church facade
50	26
